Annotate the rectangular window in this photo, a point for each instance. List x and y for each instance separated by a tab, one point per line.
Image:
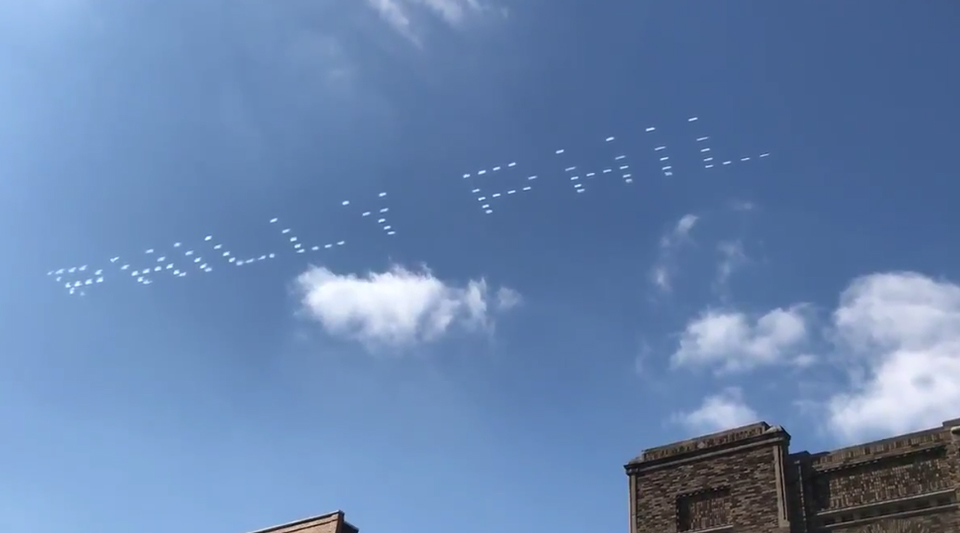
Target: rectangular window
703	509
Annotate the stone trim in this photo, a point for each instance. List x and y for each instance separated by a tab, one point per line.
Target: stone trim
875	460
783	520
898	445
712	440
767	439
717	529
304	523
889	503
893	516
895	509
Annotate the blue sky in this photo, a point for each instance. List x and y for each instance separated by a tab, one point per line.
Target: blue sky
473	369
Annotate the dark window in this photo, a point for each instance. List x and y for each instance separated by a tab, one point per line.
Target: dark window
703	509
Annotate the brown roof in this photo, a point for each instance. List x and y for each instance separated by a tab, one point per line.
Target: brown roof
327	523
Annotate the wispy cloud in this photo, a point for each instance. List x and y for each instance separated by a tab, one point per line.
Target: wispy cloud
643	354
724	410
453	11
732	257
394	12
399	307
400	14
663	271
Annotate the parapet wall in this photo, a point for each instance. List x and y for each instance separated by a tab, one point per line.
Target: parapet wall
700	444
910	480
745	480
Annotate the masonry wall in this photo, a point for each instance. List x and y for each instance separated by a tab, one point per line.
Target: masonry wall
904	484
737	483
745	481
709	494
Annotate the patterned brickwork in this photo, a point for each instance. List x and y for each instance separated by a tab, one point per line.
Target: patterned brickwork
877	481
736	488
704	509
735	481
910	480
934	523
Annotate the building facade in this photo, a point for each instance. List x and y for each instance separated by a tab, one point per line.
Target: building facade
745	480
328	523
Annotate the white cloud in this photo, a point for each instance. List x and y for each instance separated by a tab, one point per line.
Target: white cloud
398	307
900	336
662	272
508	298
453	11
684	225
639	362
724	410
804	360
395	14
400	13
732	257
734	341
660	276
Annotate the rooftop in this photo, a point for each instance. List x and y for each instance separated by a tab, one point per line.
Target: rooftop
311	522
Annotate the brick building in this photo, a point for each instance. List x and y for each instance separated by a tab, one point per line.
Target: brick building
745	480
328	523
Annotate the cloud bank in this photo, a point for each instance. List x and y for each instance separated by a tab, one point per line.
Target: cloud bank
898	335
894	336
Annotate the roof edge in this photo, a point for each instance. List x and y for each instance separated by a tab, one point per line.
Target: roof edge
338	513
706	442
